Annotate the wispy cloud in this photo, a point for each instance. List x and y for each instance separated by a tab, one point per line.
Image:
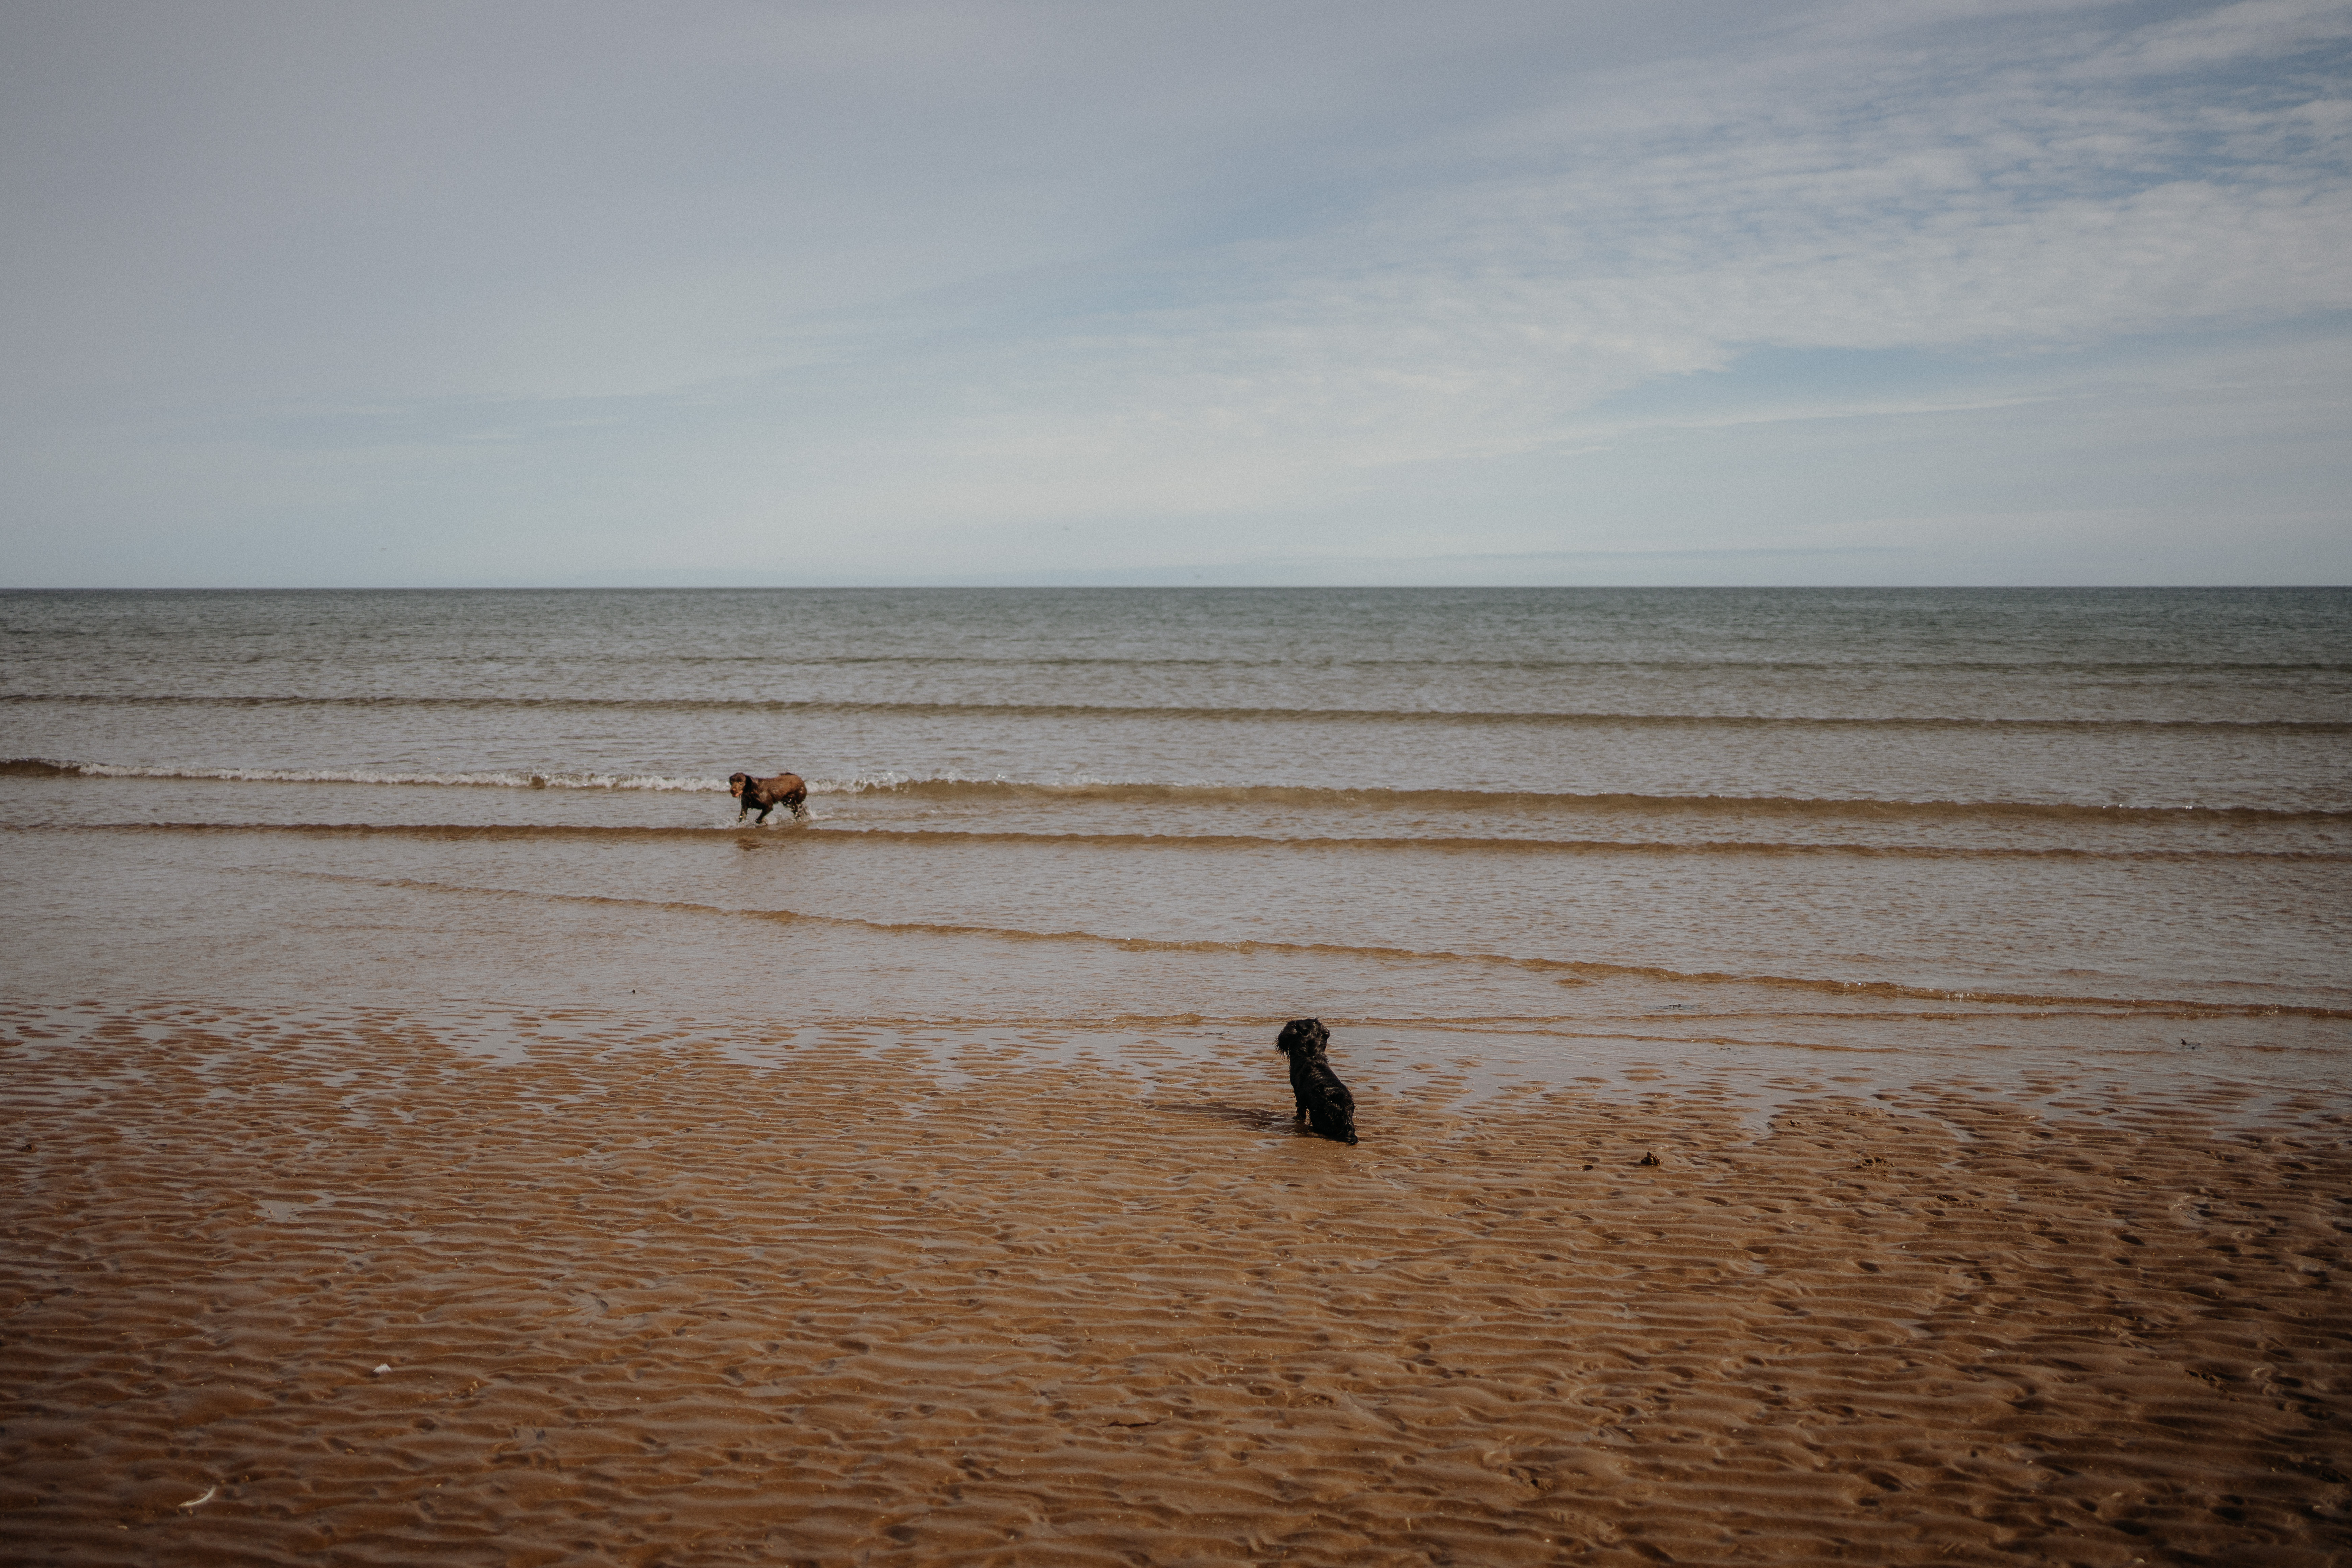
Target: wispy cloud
1881	187
1014	282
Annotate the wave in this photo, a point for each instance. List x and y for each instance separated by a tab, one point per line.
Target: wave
500	778
1527	801
1309	796
1572	968
2025	662
456	832
1402	716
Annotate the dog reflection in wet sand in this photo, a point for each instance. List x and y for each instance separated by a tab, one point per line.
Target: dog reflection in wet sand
1324	1102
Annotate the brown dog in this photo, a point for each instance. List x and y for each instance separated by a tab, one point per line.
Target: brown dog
763	795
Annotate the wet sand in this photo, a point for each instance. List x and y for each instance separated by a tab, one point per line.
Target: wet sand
347	1293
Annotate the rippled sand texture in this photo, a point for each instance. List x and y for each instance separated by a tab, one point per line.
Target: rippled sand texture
637	1301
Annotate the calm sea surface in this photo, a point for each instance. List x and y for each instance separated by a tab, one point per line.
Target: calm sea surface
1774	817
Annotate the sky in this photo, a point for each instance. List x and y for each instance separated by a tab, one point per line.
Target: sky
1285	291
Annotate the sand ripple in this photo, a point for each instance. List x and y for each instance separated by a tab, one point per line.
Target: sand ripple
640	1303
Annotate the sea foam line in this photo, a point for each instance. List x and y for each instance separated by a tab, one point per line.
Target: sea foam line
1146	792
1358	799
448	832
498	778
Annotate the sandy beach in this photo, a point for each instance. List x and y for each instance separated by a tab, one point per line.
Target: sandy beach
1843	1077
334	1290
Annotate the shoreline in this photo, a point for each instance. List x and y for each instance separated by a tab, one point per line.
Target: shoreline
649	1295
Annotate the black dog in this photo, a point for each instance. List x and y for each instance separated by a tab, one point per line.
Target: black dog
763	795
1324	1102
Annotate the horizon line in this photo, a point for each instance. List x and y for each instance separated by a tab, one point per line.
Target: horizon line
1172	587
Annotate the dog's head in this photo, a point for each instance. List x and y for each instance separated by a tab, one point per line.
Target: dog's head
737	783
1306	1034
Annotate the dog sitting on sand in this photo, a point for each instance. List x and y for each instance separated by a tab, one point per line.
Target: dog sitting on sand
763	795
1324	1102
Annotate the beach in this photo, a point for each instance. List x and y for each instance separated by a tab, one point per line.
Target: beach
337	1292
1842	1078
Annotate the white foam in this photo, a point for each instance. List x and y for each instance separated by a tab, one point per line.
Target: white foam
501	778
495	779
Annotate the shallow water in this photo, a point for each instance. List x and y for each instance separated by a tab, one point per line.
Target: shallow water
1537	807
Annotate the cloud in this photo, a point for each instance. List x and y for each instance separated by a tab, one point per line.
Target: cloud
938	278
1894	188
2249	30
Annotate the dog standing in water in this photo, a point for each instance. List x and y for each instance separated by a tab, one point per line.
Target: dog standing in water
1324	1102
763	795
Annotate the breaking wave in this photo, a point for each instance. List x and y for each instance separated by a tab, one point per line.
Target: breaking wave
458	832
497	778
1112	792
1360	799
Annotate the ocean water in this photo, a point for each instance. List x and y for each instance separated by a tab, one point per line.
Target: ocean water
1582	821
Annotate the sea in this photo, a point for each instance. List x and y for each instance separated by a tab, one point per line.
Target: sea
1515	836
